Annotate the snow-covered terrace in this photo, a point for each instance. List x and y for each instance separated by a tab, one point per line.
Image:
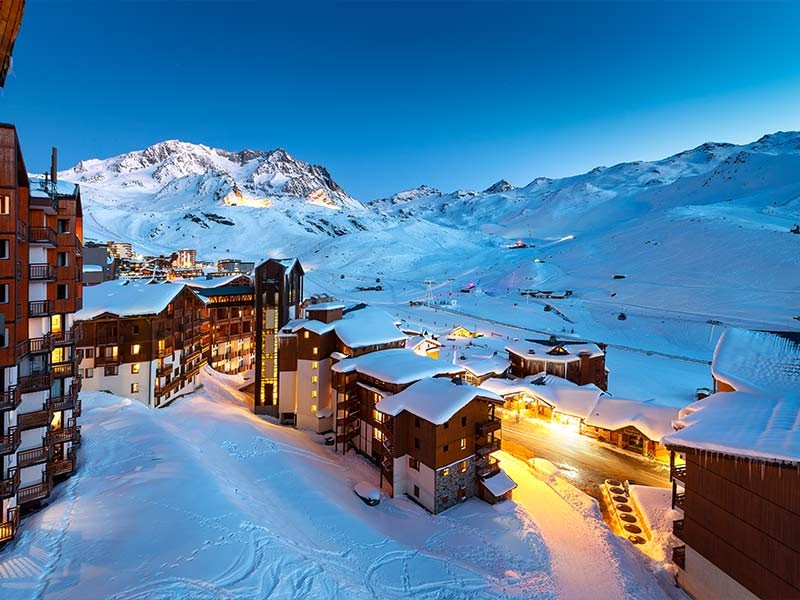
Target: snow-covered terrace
396	366
127	298
435	400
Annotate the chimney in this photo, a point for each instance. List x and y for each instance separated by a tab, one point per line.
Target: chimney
54	166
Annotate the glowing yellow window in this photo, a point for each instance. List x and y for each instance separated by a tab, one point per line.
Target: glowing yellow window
314	379
445	472
313	393
135	368
135	349
463	443
313	408
377	434
305	334
316	350
56	324
315	365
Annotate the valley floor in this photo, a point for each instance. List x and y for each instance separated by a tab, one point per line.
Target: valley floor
205	500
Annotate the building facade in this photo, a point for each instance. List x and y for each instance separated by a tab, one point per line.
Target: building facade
40	290
278	285
575	361
142	340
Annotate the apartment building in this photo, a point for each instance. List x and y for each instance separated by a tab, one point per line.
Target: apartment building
142	340
230	305
735	467
278	285
40	290
308	348
185	258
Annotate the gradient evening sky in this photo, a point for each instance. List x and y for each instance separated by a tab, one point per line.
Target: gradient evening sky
390	95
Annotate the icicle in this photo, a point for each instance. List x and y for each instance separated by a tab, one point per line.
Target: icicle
763	469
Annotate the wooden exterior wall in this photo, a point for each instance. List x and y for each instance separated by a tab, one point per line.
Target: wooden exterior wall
582	370
10	21
744	517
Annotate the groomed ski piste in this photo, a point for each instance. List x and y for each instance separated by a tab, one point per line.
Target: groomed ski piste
204	500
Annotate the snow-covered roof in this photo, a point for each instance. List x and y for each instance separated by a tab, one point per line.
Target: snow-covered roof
415	341
652	420
754	361
208	282
325	306
499	484
396	366
509	387
480	366
368	327
435	400
561	351
87	268
753	425
564	396
127	298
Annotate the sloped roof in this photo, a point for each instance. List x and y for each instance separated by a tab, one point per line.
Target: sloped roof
565	396
127	298
499	484
652	420
396	366
757	361
432	399
561	351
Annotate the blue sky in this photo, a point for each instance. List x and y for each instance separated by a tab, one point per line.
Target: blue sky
390	95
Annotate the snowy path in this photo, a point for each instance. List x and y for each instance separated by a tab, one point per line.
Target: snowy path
204	500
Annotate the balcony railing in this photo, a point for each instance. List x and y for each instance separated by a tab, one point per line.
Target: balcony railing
22	230
41	272
62	466
34	456
42	235
36	419
678	472
677	528
8	529
679	500
164	370
66	434
67	305
66	402
491	468
10	442
484	447
65	369
9	485
62	338
488	427
679	556
40	308
36	491
11	399
34	382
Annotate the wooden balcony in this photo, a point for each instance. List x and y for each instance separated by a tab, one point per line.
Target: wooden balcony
36	419
67	273
678	472
677	529
66	434
41	272
491	468
65	369
164	370
34	456
485	447
42	235
62	338
22	230
679	500
67	305
679	556
11	399
490	426
34	492
101	361
34	382
8	529
10	442
62	466
40	308
66	402
9	485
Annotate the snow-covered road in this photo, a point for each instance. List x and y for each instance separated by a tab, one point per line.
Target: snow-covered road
206	500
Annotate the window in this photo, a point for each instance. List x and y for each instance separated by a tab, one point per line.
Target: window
313	408
111	351
5	205
135	330
314	365
62	291
417	422
413	463
378	434
4	293
446	448
62	226
447	424
80	354
315	350
462	443
59	355
313	393
462	466
463	421
446	472
57	325
62	259
135	387
135	368
416	443
377	415
4	340
111	370
4	249
135	349
305	334
314	379
161	345
88	373
416	491
88	352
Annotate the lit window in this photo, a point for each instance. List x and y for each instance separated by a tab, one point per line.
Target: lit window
315	350
135	349
314	379
135	368
445	471
377	415
377	434
462	466
463	443
134	388
305	334
313	393
313	408
5	203
314	365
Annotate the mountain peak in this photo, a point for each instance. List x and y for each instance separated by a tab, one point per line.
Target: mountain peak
499	187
